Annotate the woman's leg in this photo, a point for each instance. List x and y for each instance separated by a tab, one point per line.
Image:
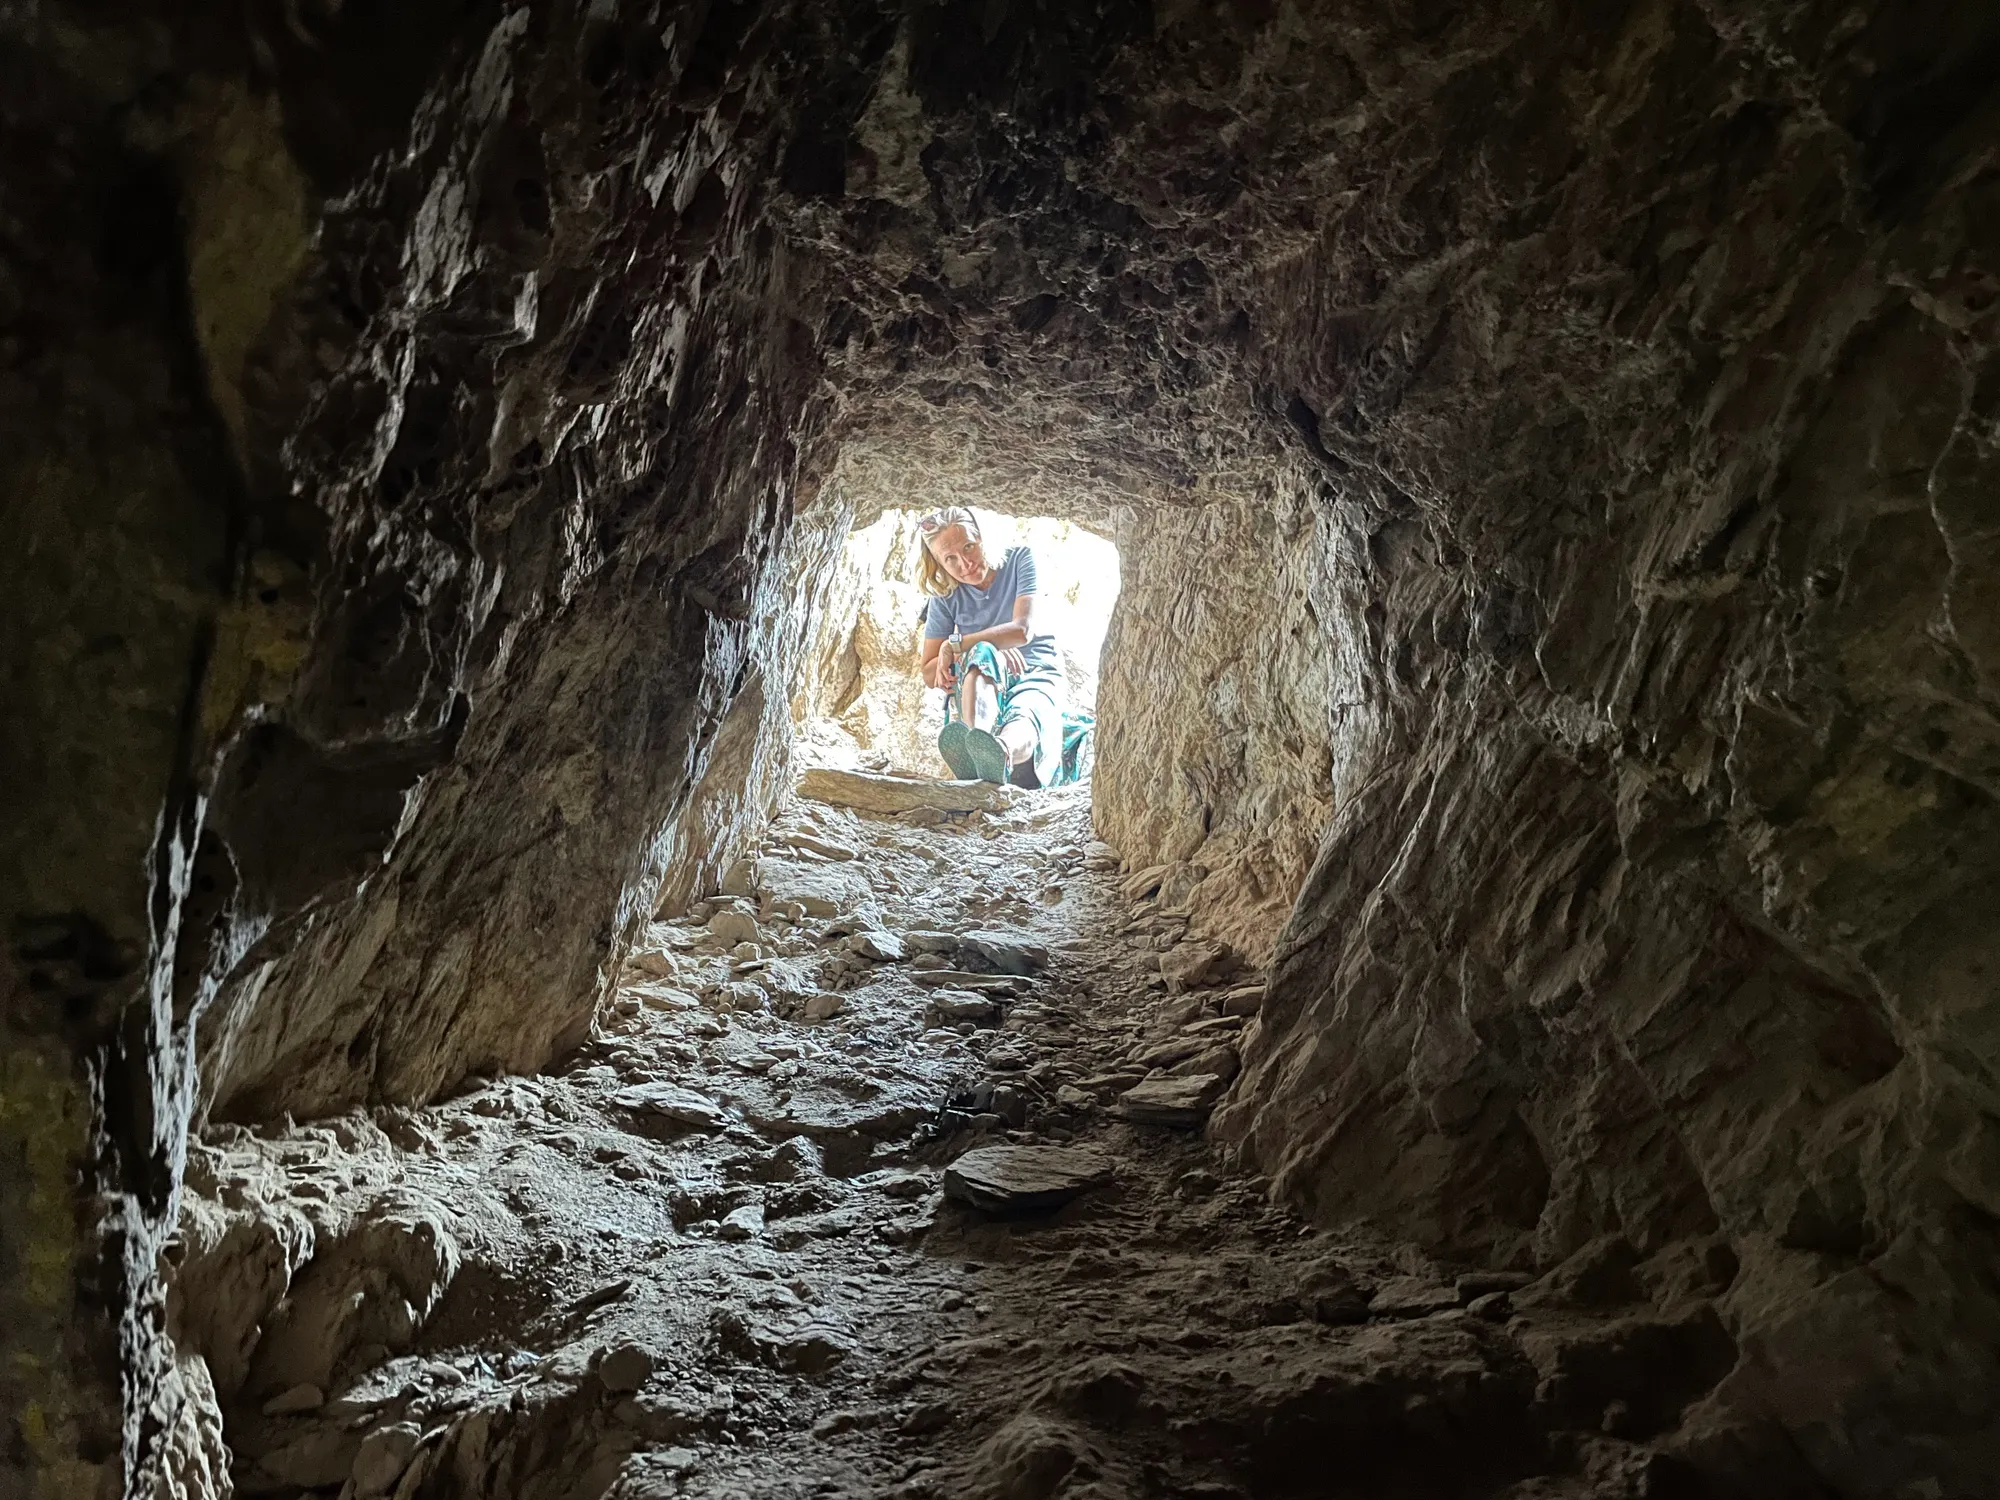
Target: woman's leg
1031	730
979	706
979	700
1017	737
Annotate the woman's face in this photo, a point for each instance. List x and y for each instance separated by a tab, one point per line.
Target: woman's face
958	552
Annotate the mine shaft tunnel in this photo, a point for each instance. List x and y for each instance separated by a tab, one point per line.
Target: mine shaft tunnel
1556	674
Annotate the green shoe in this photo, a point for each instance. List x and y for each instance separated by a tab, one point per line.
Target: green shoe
952	746
987	755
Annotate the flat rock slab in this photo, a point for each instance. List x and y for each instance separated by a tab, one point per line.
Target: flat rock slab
819	890
1009	952
830	1119
883	947
1024	1179
948	1007
1411	1297
823	848
683	1106
961	979
1180	1103
899	794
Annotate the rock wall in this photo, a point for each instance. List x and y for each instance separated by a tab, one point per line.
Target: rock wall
406	412
1219	704
1659	451
860	687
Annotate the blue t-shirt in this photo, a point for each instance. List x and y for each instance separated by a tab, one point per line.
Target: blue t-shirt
966	609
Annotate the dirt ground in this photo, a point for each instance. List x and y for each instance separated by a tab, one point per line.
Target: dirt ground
711	1253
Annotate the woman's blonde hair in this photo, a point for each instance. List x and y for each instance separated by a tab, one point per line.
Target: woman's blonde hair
931	576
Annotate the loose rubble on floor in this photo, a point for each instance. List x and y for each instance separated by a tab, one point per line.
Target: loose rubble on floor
884	1176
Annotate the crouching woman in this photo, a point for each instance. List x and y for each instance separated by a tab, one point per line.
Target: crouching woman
983	645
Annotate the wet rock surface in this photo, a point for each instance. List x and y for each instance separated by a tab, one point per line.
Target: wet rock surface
731	1248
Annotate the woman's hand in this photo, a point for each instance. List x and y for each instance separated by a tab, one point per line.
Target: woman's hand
948	658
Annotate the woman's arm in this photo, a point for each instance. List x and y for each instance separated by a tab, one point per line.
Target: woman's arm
1017	632
930	666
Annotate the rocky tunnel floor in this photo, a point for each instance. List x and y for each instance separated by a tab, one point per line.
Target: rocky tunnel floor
883	1177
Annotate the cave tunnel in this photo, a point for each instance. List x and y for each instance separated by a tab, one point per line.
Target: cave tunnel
1512	1012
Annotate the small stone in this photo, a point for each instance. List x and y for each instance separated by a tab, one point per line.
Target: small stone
904	1187
932	1416
823	1005
1223	1062
1176	1049
604	1296
1186	965
298	1398
1214	1026
1075	1098
949	1007
1024	1179
960	979
745	1223
1411	1297
883	947
1010	953
663	999
1329	1293
810	1351
741	995
383	1456
683	1106
1052	895
1245	1000
731	927
1178	1103
1476	1284
747	953
745	1055
654	961
1495	1307
824	848
625	1367
1114	1082
923	941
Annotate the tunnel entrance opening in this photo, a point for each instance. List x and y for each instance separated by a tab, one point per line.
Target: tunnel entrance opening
868	707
